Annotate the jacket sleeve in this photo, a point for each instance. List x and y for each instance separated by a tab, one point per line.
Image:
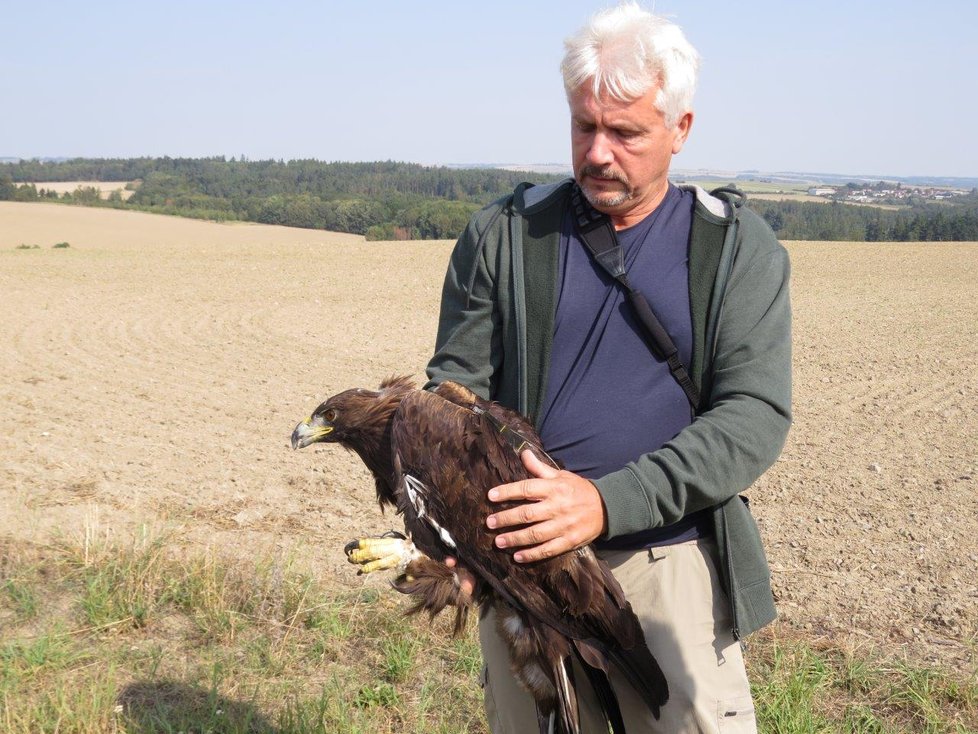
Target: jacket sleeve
729	445
468	345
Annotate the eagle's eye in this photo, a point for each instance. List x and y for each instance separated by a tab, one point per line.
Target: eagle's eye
330	415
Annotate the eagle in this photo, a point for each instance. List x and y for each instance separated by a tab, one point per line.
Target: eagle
434	455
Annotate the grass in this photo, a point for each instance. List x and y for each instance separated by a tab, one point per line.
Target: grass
136	637
56	246
801	687
20	598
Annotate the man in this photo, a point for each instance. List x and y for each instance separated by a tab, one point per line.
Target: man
530	319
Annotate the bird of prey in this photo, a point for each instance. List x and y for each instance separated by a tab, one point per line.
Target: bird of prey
434	455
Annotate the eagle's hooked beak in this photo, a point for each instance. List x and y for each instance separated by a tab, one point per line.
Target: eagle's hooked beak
309	431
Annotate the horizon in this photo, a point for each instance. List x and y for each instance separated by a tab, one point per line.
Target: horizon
332	82
562	168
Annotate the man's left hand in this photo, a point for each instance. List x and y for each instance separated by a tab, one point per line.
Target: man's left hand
564	511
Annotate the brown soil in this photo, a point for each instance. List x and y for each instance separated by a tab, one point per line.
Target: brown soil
153	371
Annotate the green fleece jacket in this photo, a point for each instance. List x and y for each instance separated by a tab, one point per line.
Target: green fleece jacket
495	336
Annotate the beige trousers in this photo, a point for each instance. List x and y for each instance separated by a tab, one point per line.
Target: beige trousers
675	592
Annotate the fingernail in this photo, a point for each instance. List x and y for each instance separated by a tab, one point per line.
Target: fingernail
493	494
501	542
491	521
518	557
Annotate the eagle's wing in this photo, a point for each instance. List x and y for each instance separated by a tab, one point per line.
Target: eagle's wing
450	448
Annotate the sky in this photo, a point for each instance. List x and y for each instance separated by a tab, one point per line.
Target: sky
862	88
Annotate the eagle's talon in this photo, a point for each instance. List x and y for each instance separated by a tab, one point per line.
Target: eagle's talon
392	550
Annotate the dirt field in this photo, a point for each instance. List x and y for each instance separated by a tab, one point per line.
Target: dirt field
153	371
105	187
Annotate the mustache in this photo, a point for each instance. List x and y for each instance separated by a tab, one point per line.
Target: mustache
604	172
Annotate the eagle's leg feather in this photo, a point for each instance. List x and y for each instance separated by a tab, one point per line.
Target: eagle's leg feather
389	551
434	586
540	660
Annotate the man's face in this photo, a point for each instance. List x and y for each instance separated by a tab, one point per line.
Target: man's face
621	152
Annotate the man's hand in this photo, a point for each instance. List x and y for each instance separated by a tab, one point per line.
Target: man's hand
565	511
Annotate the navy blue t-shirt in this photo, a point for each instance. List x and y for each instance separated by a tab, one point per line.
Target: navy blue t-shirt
608	399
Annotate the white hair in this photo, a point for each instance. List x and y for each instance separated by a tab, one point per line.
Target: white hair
624	51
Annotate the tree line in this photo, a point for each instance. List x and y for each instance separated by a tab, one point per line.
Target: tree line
382	200
394	200
924	222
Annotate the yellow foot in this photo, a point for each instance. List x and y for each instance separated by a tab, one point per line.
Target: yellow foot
390	550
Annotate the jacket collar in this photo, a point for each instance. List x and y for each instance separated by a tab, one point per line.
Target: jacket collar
719	206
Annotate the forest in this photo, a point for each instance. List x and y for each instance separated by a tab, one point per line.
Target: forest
928	222
382	200
391	200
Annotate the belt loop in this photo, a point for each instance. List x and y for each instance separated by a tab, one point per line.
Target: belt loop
657	554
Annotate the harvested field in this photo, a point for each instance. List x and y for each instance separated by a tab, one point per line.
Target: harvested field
154	370
105	187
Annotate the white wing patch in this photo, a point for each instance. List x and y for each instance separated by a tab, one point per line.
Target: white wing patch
416	491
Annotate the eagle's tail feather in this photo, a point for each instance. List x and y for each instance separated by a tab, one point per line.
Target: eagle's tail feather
637	665
606	697
568	718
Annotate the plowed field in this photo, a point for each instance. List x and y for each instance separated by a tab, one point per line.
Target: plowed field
153	370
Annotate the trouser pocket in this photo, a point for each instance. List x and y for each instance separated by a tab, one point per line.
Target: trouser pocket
736	716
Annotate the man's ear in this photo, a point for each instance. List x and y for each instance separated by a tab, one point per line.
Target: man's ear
682	128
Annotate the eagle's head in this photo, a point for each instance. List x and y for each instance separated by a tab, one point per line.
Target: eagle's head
339	419
359	420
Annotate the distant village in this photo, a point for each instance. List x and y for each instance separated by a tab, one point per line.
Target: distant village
885	193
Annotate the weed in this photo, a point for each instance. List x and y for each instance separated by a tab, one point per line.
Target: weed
47	652
399	655
20	597
465	655
60	245
124	586
377	694
860	719
799	688
332	619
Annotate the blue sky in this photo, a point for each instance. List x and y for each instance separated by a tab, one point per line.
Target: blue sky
842	87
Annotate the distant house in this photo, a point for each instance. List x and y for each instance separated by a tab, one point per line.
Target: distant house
821	191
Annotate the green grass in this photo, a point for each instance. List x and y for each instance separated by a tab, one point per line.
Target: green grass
19	596
135	638
138	638
800	687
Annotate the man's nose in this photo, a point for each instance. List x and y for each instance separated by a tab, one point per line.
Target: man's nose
599	153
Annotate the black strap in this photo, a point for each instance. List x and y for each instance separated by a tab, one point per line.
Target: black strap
598	235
